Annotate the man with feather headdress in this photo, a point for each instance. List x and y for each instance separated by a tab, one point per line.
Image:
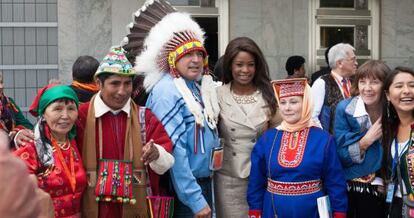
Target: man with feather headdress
168	49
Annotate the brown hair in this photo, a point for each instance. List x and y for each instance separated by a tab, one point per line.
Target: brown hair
373	69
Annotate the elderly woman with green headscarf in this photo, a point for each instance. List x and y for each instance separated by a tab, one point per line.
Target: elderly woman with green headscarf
53	156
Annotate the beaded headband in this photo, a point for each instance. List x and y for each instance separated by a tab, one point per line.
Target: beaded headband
184	49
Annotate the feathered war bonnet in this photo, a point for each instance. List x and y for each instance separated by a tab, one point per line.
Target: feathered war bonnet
158	38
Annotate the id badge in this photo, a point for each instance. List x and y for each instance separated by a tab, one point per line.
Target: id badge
216	159
390	192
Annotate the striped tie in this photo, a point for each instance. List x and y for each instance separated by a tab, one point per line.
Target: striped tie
345	88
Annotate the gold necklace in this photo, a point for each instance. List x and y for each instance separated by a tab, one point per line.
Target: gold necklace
244	99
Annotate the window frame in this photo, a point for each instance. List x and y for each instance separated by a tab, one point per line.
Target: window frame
344	17
26	70
221	12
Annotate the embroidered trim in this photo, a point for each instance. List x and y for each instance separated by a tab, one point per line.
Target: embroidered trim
365	179
293	188
141	115
255	213
291	87
410	160
115	182
292	148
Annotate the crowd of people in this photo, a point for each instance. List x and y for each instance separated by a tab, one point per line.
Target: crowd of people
147	132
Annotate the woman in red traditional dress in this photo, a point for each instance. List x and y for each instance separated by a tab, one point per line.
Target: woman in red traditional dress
53	156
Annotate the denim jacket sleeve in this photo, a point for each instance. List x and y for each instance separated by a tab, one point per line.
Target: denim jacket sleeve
347	135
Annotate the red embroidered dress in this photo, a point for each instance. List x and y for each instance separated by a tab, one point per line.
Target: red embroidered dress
56	180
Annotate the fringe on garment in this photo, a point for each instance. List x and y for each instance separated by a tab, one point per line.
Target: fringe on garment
364	188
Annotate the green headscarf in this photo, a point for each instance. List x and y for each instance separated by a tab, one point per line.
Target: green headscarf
55	93
49	94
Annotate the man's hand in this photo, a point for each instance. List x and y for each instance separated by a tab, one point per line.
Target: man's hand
204	213
24	136
149	152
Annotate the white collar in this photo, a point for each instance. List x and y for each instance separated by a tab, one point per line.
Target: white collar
101	108
360	110
337	76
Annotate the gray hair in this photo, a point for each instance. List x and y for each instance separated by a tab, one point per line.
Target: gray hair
338	52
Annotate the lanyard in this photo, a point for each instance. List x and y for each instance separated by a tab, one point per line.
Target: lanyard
397	156
70	173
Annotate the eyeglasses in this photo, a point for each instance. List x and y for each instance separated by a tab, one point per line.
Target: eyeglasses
353	60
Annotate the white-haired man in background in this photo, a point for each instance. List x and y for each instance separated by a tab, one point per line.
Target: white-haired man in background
330	89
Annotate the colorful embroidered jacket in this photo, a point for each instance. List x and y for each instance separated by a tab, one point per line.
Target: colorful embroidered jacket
54	180
351	124
192	144
289	183
11	116
406	151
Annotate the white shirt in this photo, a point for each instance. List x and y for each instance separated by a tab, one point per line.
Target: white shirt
318	95
101	108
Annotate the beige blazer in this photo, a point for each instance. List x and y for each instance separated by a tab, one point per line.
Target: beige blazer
239	131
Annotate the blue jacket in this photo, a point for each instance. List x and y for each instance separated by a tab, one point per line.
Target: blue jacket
351	124
169	107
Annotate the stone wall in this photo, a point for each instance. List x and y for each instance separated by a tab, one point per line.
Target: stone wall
280	28
397	32
90	28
